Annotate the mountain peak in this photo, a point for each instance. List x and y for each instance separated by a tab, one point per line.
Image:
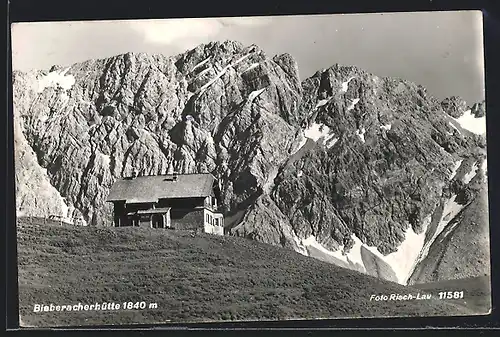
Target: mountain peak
343	156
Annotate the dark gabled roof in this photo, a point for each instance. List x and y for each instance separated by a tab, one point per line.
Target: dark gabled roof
153	188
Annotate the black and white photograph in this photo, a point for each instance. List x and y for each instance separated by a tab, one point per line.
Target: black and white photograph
260	168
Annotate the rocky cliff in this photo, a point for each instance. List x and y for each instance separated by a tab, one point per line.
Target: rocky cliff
361	171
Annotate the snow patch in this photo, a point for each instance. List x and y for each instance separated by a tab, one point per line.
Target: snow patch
43	117
56	79
303	141
204	71
64	97
320	132
374	250
241	59
254	94
484	167
322	102
222	72
345	85
353	104
354	255
448	231
453	126
212	81
301	249
252	66
329	141
455	169
386	127
317	131
63	73
200	63
403	260
352	259
468	177
450	210
106	159
361	134
312	242
469	122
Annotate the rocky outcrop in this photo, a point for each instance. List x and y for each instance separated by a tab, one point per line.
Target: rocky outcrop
35	194
100	120
454	106
387	168
345	164
479	109
461	250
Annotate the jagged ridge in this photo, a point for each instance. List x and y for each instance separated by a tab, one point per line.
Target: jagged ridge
343	159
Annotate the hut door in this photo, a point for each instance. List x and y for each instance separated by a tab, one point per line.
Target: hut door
157	220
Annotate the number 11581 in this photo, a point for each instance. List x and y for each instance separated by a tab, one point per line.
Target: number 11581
451	295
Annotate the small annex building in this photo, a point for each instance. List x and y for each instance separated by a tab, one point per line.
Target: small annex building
175	201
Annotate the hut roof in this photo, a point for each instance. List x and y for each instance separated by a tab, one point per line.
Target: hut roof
152	188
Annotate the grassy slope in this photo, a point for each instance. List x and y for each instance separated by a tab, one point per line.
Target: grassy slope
200	278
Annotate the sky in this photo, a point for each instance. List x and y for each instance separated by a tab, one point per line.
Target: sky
442	51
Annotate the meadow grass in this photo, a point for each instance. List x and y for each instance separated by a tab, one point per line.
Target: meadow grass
191	278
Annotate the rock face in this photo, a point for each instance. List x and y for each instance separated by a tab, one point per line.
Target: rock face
345	164
462	248
99	120
454	106
34	192
479	109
